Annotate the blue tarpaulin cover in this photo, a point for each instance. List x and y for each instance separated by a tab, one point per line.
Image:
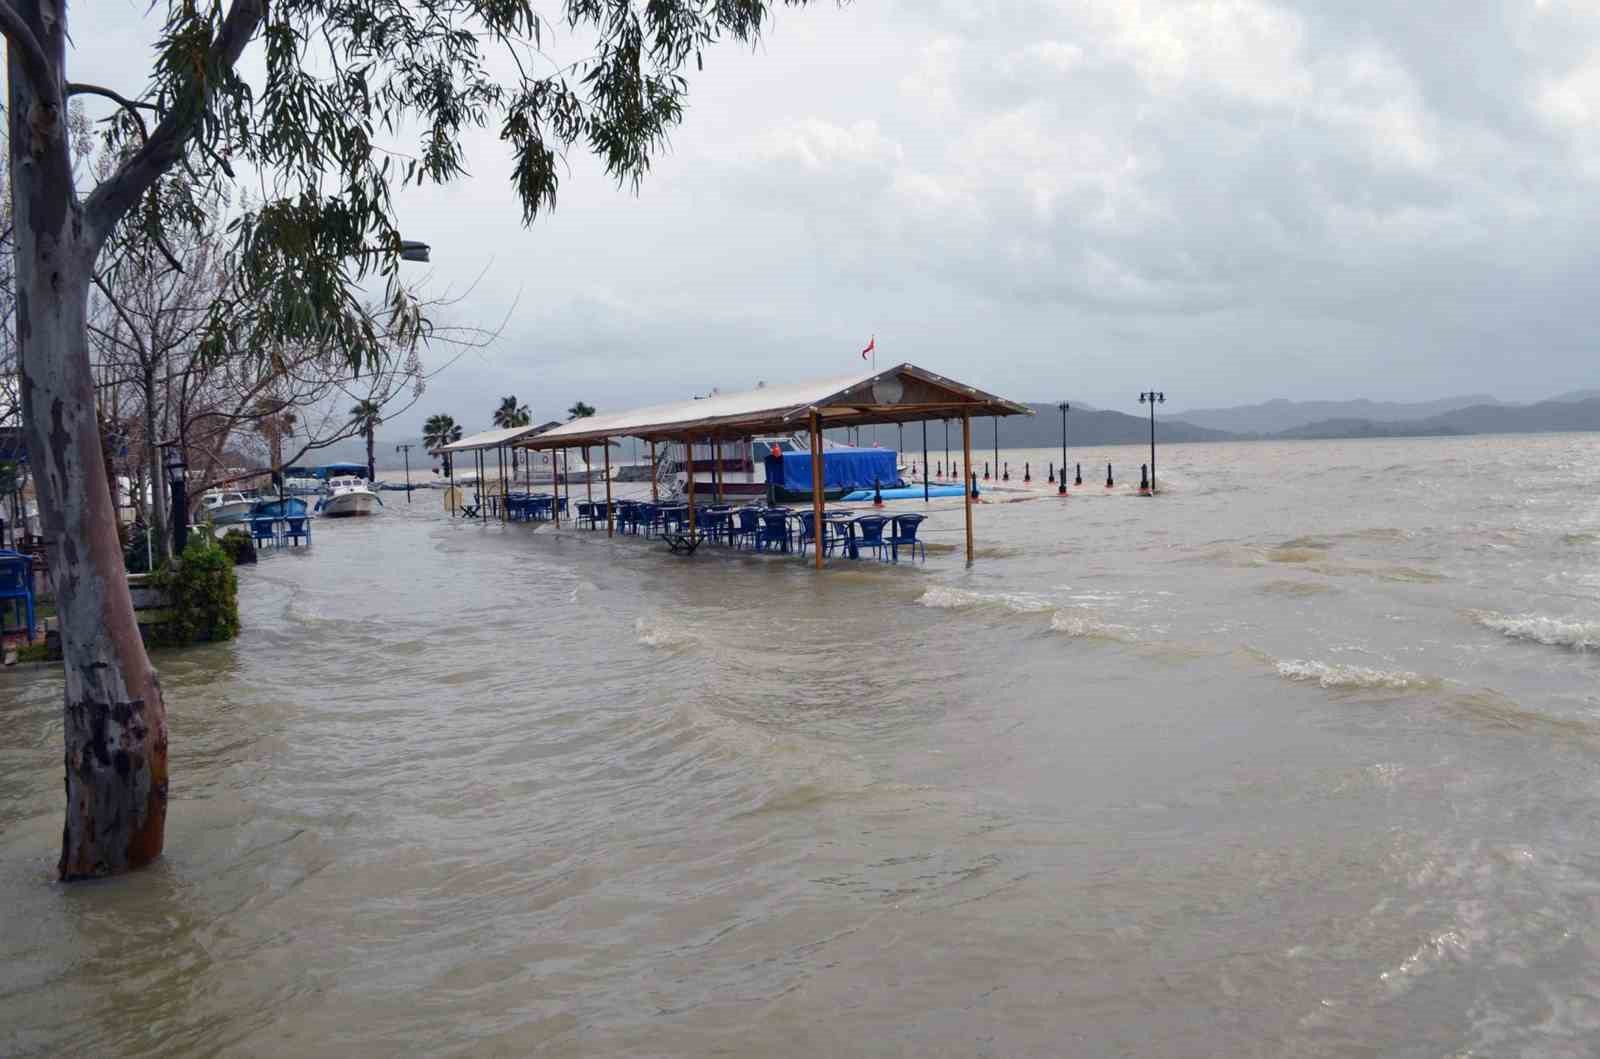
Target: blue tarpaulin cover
841	469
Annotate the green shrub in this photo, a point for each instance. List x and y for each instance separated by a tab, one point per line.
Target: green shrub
203	594
35	652
240	548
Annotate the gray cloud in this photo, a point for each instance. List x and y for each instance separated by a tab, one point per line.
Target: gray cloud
1231	200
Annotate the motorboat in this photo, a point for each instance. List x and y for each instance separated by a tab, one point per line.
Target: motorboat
226	508
743	468
348	496
574	469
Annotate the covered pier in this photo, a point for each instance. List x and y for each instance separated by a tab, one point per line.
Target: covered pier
904	393
478	446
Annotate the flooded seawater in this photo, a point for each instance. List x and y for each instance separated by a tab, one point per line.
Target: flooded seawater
1300	758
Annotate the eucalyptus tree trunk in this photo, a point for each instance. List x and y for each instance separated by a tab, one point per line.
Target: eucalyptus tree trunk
372	463
115	720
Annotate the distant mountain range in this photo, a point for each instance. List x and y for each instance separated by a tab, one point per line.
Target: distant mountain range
1558	414
1274	417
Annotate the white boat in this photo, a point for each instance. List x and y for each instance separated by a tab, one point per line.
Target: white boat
226	508
573	468
348	497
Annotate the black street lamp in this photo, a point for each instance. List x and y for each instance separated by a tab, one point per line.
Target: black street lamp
1152	398
1065	408
177	478
407	450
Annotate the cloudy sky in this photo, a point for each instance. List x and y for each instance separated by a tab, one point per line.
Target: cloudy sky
1230	201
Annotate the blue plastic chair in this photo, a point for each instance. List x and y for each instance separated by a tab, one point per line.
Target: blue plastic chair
808	534
774	532
264	530
16	584
905	536
747	526
870	527
585	513
295	527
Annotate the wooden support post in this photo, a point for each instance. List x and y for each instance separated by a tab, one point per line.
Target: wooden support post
588	484
609	522
688	452
716	454
966	484
655	493
555	486
816	485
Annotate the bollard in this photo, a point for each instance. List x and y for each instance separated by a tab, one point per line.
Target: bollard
974	485
1006	474
1144	478
1076	481
941	468
1061	490
986	470
1110	482
1052	478
1027	473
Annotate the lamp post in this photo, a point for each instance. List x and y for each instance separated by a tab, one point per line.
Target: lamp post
177	478
407	450
1152	398
1065	408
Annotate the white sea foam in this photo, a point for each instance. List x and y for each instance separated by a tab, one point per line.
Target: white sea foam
1086	627
1353	678
655	631
1555	632
944	597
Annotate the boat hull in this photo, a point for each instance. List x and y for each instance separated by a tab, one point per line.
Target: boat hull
349	505
231	513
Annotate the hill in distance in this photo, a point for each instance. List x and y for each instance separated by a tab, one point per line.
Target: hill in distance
1553	416
1277	416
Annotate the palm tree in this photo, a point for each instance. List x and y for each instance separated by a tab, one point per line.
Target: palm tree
579	410
439	431
511	414
366	419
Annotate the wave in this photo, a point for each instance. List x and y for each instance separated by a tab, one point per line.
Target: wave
1353	678
1295	555
944	597
1084	627
1295	588
655	631
1553	632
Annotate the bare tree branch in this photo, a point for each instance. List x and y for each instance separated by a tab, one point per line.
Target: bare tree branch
78	88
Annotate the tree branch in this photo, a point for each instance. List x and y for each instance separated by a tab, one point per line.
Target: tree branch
78	88
118	194
35	63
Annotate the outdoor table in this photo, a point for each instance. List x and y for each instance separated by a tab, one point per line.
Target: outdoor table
844	531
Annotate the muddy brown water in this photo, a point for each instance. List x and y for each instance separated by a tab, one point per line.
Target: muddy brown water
1301	758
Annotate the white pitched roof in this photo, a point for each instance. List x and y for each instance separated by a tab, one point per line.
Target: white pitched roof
784	402
489	439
